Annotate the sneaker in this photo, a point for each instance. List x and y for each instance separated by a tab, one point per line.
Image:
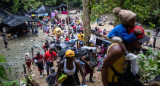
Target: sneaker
131	56
45	72
41	76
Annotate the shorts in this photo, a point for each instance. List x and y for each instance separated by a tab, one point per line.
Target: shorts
88	70
48	65
40	66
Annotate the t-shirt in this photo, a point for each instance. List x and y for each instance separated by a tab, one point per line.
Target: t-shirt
79	36
82	37
45	46
74	27
67	39
40	58
48	55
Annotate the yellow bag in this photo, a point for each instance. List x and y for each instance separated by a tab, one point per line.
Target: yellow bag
62	77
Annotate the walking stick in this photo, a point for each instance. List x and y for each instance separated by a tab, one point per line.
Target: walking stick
32	55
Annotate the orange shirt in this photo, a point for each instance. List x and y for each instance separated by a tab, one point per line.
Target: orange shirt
48	55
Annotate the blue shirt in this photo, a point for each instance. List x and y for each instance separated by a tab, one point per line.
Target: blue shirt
121	31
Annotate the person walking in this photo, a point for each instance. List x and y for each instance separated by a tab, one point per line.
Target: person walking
39	58
49	57
70	68
89	68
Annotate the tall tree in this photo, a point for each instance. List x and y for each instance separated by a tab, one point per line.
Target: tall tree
86	20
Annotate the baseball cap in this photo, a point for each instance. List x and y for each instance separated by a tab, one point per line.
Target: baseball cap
69	53
141	37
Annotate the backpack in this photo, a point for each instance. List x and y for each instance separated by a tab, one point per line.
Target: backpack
46	46
51	79
127	78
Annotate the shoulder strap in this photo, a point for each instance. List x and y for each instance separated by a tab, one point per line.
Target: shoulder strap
120	74
115	72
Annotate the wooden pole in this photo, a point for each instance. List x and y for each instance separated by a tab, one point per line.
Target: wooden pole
25	72
32	55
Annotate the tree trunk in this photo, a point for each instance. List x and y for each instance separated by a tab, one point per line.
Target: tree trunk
68	20
86	21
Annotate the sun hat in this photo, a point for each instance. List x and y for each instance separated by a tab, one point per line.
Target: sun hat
69	53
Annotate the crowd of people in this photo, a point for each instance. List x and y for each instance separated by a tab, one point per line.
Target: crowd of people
115	61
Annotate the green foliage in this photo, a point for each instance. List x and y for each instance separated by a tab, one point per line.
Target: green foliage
149	64
3	74
10	83
76	3
19	5
147	10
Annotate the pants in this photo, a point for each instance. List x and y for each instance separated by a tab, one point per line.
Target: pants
49	65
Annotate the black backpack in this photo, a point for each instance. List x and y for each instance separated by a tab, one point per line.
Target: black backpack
46	46
127	78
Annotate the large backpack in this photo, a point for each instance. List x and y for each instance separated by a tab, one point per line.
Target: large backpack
51	79
127	78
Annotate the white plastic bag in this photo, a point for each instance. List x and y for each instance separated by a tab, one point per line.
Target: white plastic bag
134	67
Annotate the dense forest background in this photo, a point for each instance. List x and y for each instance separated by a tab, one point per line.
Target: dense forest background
148	11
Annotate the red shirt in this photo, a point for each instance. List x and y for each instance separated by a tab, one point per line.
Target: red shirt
74	27
44	46
47	55
39	59
67	39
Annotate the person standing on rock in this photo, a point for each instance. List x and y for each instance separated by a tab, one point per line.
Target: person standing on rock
39	63
28	62
49	57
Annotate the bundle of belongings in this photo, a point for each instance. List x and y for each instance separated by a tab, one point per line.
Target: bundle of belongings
86	51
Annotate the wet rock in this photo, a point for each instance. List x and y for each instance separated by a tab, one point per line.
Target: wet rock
8	64
3	50
8	49
21	44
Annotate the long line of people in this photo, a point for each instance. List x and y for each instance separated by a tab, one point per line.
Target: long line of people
71	59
